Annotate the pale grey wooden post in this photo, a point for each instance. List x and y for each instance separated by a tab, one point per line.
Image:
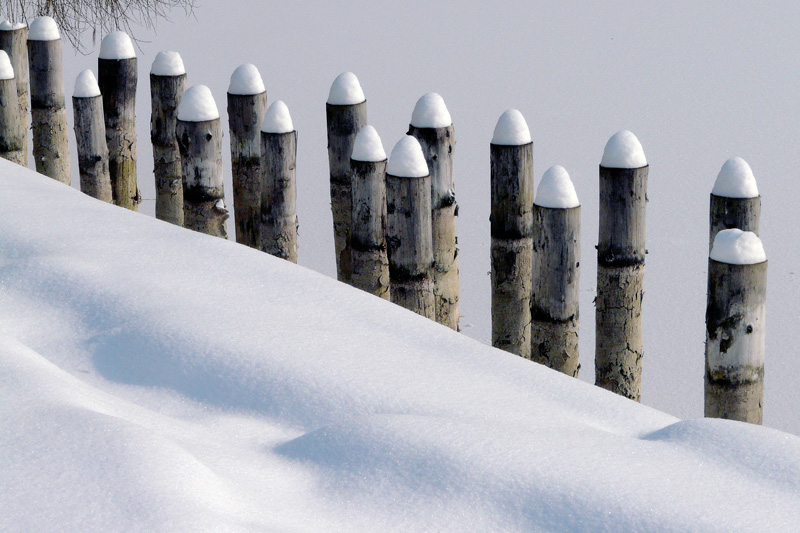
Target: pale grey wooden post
735	202
13	39
90	134
11	139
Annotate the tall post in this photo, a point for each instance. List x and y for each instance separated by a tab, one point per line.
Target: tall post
408	208
200	141
11	139
433	128
368	237
346	112
511	154
247	103
620	266
117	76
735	328
13	39
167	84
278	189
48	113
90	134
556	273
735	202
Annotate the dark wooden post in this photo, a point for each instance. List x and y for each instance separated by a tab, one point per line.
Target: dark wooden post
13	40
735	202
11	138
90	134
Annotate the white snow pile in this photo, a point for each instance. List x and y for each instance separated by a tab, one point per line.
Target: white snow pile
735	180
368	145
346	90
168	63
6	70
157	379
430	112
737	247
511	129
197	105
623	150
556	190
7	25
43	29
86	85
246	80
407	159
117	45
277	119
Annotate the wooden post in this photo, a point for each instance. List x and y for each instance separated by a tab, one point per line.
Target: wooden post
13	39
511	153
433	128
408	208
167	84
48	113
278	190
346	112
368	237
200	141
117	76
556	273
735	327
90	134
620	266
735	202
11	139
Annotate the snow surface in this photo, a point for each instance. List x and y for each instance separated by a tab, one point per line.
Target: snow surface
346	90
197	105
277	119
430	112
737	247
556	190
368	145
246	80
623	150
43	29
511	129
7	25
6	70
168	63
407	159
86	85
735	180
117	45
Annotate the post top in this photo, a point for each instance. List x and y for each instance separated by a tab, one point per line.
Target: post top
407	160
197	105
735	180
277	119
43	29
246	80
623	150
86	85
6	70
7	25
511	129
346	90
430	112
368	146
556	190
737	247
168	63
117	45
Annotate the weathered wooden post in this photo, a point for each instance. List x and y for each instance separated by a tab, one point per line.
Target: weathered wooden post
432	127
735	328
117	77
200	141
511	153
346	112
167	84
11	139
735	202
278	188
368	236
48	113
408	208
620	266
90	134
13	39
247	103
556	273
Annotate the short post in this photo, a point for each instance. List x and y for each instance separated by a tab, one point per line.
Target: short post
11	138
278	189
408	208
735	202
735	328
200	141
48	112
167	84
346	112
432	127
247	103
368	237
13	39
556	273
117	76
511	154
620	266
90	134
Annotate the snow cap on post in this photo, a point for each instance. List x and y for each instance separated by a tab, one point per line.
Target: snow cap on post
246	80
346	90
168	64
277	119
407	160
430	112
7	25
368	146
43	29
623	150
556	190
6	70
737	247
117	45
86	85
735	180
511	129
197	105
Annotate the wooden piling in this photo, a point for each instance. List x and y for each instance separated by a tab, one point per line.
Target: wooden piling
90	134
735	202
13	40
11	139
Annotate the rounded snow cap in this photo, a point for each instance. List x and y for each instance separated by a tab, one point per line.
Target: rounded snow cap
86	85
511	129
117	45
246	80
556	190
735	180
43	29
737	247
7	25
623	150
430	112
197	105
346	90
6	70
368	146
407	160
168	64
277	119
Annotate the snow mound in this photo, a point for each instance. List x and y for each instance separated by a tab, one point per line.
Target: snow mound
556	190
735	180
623	150
430	112
43	29
368	146
346	90
6	70
197	105
737	247
117	45
86	85
511	129
7	25
246	80
407	160
277	119
168	63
